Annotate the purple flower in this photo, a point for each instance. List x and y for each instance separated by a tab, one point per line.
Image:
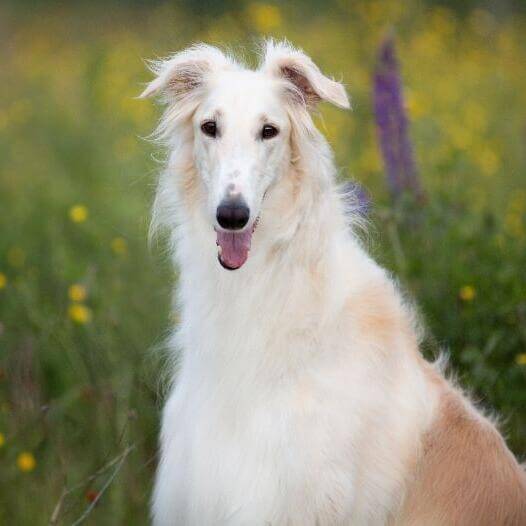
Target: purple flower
392	124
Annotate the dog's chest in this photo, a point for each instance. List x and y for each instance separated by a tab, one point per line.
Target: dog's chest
294	453
277	461
250	441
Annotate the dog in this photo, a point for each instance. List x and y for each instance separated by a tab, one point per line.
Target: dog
300	396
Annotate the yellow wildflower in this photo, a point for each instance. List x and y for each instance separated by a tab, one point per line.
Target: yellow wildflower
2	439
461	137
16	256
3	280
265	17
521	358
26	461
415	105
488	161
77	292
467	293
79	313
475	117
78	213
119	246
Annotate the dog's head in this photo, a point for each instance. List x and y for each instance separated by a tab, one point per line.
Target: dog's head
240	123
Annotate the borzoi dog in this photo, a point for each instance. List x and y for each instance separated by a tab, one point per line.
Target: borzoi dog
301	397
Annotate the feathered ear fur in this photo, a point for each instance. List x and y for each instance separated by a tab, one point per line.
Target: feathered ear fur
308	84
185	72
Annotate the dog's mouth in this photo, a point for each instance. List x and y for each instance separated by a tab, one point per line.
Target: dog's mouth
233	247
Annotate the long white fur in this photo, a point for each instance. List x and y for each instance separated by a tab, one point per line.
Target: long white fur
281	411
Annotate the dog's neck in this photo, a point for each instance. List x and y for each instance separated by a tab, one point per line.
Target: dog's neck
301	243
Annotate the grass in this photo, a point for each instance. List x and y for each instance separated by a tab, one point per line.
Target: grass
80	368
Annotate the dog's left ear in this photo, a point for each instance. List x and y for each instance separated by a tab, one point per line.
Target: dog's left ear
309	84
184	72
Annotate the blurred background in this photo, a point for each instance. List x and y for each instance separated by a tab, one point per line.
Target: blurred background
84	303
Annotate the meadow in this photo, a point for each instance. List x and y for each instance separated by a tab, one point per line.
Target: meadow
84	301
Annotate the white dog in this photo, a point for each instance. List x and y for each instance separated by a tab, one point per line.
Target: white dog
301	396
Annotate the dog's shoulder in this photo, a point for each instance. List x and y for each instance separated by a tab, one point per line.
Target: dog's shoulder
466	475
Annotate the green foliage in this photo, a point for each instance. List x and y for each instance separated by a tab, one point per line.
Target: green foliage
463	273
81	369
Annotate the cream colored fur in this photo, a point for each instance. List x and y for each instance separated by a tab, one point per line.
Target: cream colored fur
300	396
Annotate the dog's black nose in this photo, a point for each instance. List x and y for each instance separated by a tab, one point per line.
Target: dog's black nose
233	213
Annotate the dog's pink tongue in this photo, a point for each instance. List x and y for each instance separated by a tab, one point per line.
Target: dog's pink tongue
234	248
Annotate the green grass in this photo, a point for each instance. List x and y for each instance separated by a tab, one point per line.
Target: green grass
76	395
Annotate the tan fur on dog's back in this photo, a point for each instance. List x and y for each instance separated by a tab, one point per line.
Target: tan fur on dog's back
465	476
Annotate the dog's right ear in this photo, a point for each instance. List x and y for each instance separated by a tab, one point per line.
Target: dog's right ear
309	84
185	72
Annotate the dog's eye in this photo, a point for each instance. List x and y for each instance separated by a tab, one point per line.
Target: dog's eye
269	131
209	128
